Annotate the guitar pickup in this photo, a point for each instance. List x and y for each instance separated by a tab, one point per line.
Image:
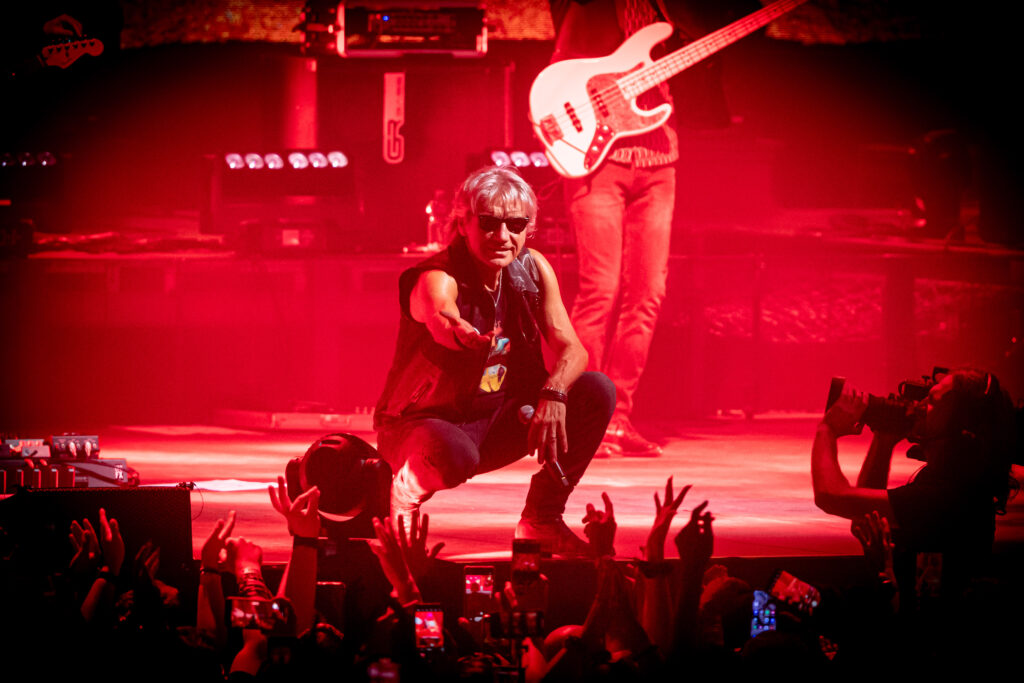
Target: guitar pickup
550	129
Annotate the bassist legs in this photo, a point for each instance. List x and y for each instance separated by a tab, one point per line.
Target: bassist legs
622	219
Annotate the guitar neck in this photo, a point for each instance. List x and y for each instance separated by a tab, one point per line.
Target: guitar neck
685	57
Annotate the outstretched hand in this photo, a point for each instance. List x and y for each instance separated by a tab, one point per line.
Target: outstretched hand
303	514
664	513
695	542
392	561
600	527
414	545
466	336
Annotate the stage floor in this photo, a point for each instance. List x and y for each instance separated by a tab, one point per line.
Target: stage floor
755	473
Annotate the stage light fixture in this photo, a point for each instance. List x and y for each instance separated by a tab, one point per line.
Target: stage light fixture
7	159
254	161
27	159
46	159
500	158
539	160
520	159
291	199
337	159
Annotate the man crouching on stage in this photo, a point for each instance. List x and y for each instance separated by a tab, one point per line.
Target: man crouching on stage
468	366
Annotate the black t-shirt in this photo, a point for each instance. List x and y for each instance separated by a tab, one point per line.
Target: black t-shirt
938	514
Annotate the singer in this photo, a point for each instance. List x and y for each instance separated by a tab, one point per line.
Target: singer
468	390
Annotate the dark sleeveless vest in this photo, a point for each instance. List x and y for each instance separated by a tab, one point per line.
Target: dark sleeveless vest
427	379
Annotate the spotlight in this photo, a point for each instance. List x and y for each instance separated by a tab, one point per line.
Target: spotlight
274	161
46	159
500	158
337	159
7	159
539	160
254	161
26	159
318	160
234	161
520	159
298	160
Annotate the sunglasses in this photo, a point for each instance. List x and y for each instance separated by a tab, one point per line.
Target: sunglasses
492	223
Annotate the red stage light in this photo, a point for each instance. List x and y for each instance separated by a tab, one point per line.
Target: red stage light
254	161
298	160
318	160
337	159
234	161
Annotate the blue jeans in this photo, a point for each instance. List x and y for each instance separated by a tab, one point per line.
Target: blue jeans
438	454
622	219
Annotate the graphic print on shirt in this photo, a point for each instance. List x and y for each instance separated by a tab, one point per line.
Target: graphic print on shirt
495	370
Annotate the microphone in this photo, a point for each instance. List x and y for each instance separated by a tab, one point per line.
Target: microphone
550	464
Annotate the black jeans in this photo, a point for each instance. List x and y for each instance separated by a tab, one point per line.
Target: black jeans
429	454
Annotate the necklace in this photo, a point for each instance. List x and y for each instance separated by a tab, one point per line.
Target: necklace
496	297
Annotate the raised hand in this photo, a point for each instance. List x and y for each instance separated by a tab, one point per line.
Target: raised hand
695	541
243	555
414	545
303	514
600	527
147	561
86	546
875	536
844	415
654	550
111	542
210	557
531	597
392	561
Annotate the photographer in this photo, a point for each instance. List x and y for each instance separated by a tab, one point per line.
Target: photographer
964	430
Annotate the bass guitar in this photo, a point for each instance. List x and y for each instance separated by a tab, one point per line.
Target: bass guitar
579	107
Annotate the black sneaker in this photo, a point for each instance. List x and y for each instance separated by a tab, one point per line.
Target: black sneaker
629	440
555	537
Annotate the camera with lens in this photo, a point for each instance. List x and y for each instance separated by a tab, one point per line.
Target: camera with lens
897	413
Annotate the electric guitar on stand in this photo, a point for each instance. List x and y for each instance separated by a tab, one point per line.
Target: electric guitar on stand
579	107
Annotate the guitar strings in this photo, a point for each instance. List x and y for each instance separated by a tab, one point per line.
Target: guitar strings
634	84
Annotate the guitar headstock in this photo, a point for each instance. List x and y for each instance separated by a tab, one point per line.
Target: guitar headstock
64	54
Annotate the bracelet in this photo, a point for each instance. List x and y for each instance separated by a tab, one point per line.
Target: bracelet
305	542
552	394
253	586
